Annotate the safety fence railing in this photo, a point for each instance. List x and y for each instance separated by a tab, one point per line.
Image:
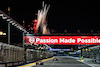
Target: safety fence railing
11	55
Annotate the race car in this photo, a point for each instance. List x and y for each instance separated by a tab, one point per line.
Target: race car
55	59
39	63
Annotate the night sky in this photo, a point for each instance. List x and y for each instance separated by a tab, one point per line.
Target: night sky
63	15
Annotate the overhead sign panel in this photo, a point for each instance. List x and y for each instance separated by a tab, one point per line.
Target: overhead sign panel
63	40
52	49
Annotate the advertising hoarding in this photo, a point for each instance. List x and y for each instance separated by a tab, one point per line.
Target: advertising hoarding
62	40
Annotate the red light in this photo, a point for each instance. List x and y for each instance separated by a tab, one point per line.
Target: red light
35	21
28	25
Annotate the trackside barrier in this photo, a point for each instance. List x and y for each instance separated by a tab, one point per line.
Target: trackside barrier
13	55
10	55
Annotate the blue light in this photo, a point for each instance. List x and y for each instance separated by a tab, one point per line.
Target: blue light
52	49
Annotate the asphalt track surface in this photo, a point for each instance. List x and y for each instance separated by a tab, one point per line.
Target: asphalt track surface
63	62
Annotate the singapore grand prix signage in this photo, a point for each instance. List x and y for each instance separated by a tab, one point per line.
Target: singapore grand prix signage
63	40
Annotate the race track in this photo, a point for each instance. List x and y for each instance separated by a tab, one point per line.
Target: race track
63	62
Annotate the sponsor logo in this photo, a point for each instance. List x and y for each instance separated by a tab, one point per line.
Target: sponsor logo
31	40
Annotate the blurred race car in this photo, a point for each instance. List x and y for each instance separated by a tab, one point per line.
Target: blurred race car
55	59
39	63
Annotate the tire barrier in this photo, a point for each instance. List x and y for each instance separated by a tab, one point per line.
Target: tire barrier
13	55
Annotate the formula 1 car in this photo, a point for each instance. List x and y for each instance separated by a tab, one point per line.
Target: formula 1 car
55	59
39	63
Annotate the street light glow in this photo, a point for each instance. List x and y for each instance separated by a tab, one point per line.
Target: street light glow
4	33
4	17
8	8
1	15
11	22
1	32
8	19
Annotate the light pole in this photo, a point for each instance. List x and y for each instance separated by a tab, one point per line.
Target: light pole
99	53
78	31
24	57
23	32
9	27
99	49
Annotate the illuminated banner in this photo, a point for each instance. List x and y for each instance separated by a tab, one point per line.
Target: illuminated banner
52	49
64	40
